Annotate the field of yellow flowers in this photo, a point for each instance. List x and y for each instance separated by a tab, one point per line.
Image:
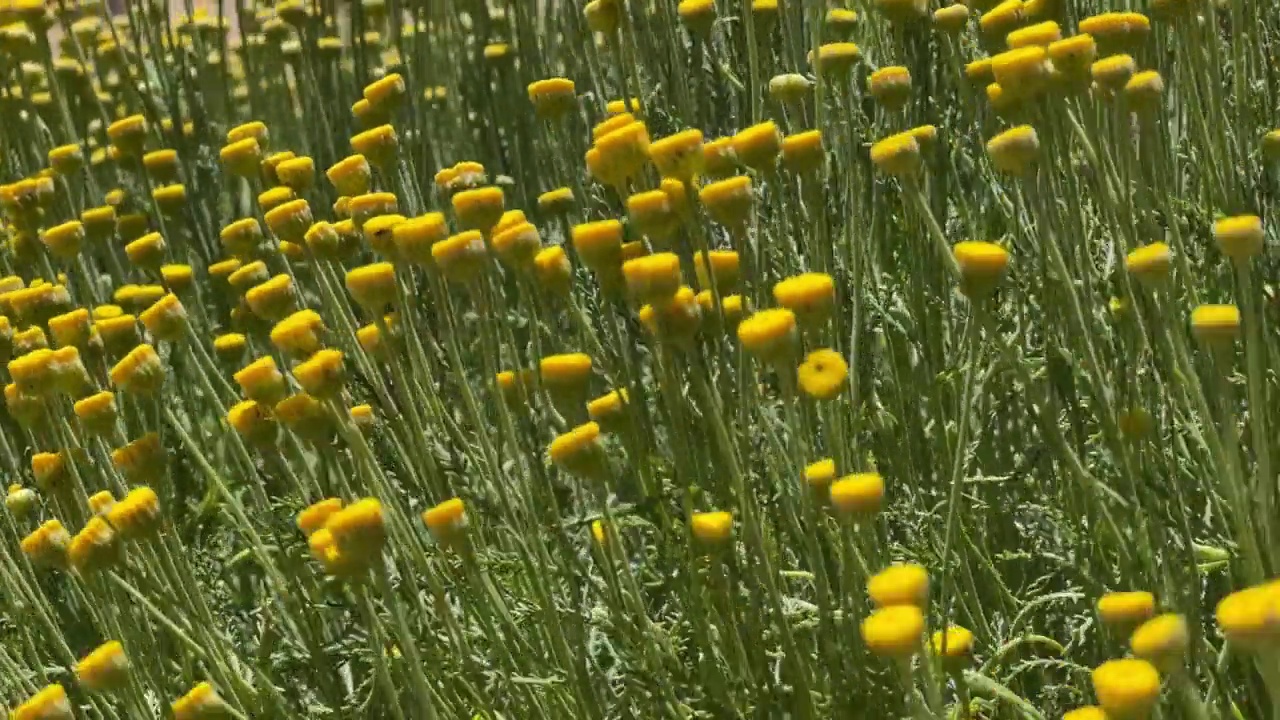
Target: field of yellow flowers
516	360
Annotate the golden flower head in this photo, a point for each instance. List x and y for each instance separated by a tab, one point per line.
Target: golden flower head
553	98
891	87
803	152
951	19
380	145
599	244
165	319
820	474
897	155
717	268
50	703
1089	712
1162	640
759	146
147	252
953	644
315	515
478	209
894	631
900	584
254	422
1149	263
350	176
97	412
71	328
823	374
1074	55
139	372
202	702
998	21
1126	609
1111	73
729	201
718	159
322	375
1250	618
982	265
140	460
1126	688
372	286
553	270
1215	324
64	241
96	547
105	669
446	521
678	156
578	451
1239	238
137	514
461	257
811	296
653	278
557	202
711	528
1015	150
769	334
698	16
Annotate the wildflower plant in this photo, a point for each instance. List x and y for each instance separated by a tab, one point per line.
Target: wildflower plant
618	359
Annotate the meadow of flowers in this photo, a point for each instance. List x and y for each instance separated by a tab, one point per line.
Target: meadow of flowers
517	359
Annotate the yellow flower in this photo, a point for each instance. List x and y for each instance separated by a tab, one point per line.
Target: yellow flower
478	209
609	410
297	173
900	584
698	17
147	252
372	286
1144	90
811	296
717	268
1126	609
350	176
599	244
653	278
675	321
823	374
1090	712
321	375
241	157
894	631
758	146
1001	19
95	547
1112	72
678	156
166	319
981	264
897	155
253	421
1073	56
461	257
517	246
718	159
902	10
552	98
1117	29
64	240
105	669
712	528
578	451
97	412
728	201
202	702
1162	640
47	545
358	529
557	202
1015	150
819	475
49	704
1239	238
552	268
261	380
1149	263
140	371
141	459
1126	688
958	643
290	220
378	144
446	521
1250	618
1215	324
71	328
1041	34
315	515
803	152
891	87
769	334
952	18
